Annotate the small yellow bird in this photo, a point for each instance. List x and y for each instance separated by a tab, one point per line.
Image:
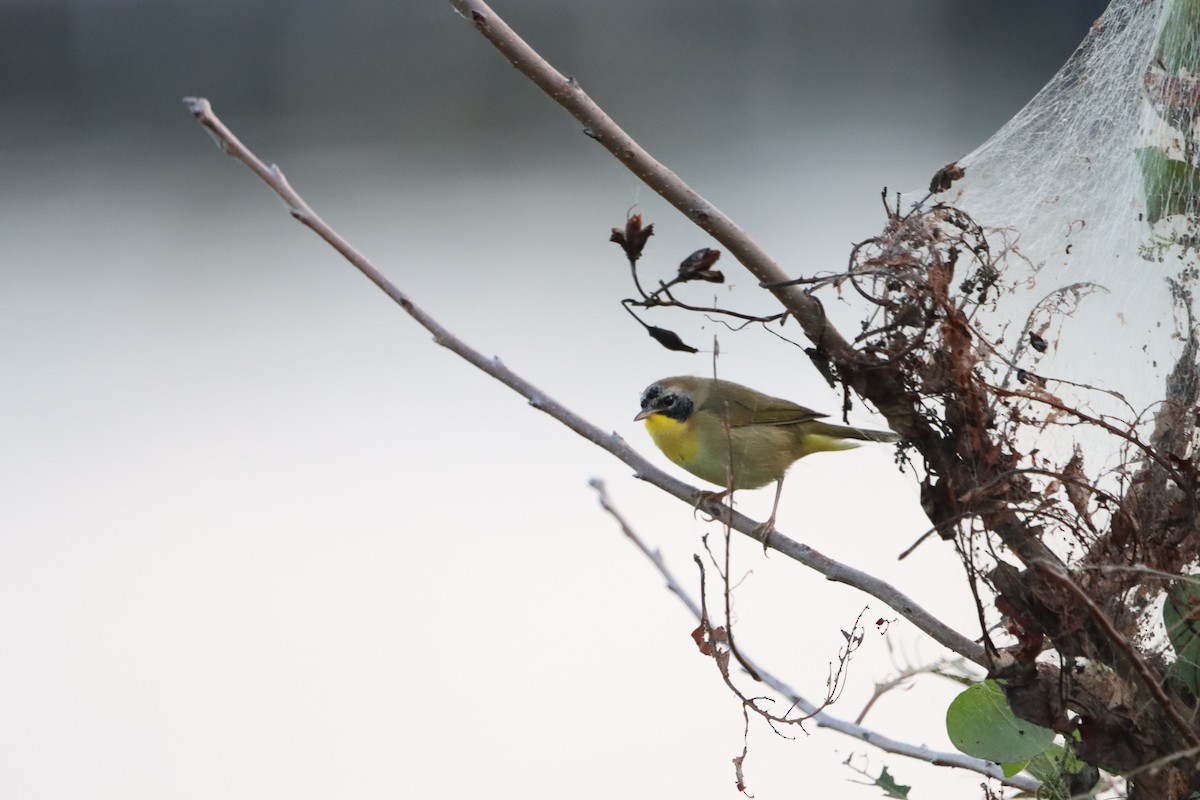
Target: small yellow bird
700	422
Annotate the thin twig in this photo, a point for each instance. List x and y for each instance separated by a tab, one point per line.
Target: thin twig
822	718
655	556
902	680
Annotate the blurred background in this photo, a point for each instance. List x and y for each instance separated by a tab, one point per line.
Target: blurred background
260	537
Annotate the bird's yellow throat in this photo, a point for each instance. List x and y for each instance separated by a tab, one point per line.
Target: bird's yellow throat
673	437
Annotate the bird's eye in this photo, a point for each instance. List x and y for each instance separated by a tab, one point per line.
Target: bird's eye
668	401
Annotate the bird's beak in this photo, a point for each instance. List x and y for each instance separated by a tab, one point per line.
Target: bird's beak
644	413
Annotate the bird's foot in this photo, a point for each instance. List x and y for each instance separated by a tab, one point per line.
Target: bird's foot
703	497
763	531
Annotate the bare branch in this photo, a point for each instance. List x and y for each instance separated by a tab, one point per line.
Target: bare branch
822	718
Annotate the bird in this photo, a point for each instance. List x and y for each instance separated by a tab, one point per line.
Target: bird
700	422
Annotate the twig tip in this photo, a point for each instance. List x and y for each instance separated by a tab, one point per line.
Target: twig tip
197	105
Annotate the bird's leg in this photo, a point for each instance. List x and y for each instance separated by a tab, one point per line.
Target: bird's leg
764	529
704	496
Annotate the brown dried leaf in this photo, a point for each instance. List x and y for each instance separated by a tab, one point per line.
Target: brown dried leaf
669	339
945	177
1024	376
1076	482
700	637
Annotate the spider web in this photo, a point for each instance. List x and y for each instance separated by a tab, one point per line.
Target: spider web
1094	185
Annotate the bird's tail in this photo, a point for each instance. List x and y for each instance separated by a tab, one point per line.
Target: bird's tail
847	432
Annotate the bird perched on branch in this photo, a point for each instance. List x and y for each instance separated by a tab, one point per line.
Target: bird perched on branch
700	422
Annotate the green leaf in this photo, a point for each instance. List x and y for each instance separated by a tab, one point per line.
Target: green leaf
1055	768
1171	186
1178	47
1048	767
1181	617
981	724
890	788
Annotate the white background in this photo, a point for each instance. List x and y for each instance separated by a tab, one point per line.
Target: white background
260	537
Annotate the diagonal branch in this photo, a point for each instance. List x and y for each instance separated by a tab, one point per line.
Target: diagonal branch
823	719
643	469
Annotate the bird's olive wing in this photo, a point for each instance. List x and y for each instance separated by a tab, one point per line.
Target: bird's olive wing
763	410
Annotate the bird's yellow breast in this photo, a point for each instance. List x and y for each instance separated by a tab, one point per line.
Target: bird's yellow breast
676	439
703	445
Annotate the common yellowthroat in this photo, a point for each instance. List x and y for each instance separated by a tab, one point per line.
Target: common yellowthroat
700	422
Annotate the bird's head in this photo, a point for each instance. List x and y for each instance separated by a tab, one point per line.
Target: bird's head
670	397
